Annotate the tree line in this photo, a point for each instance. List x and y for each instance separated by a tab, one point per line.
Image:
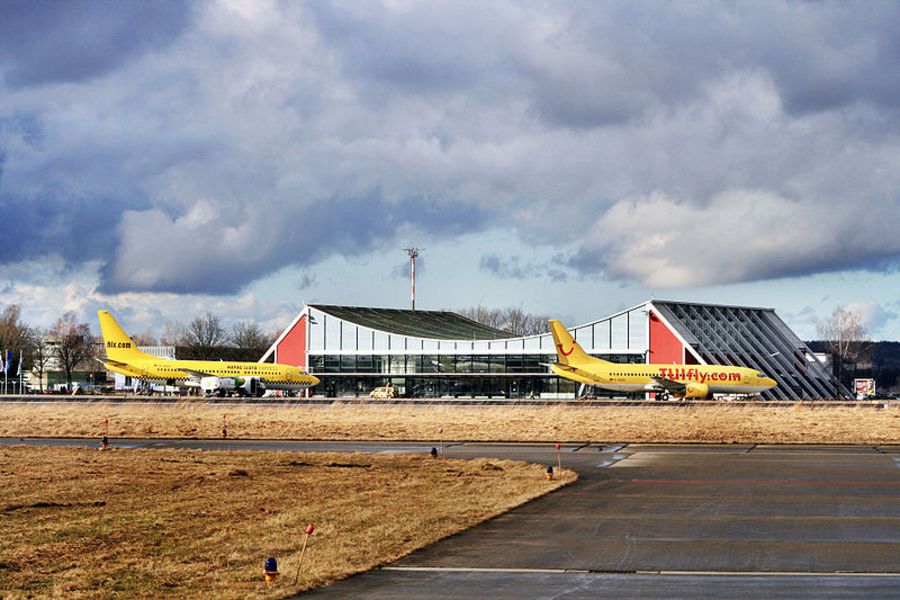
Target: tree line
205	338
511	320
69	343
845	337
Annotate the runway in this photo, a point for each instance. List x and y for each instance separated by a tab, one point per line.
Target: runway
737	521
675	521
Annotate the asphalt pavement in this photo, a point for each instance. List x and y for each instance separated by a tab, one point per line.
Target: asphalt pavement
645	521
674	522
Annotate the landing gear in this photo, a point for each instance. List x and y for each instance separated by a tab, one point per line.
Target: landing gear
663	396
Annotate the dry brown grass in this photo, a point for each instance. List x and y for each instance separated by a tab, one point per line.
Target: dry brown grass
78	523
718	423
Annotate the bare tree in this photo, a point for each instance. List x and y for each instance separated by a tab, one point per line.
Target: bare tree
15	337
203	335
492	317
74	344
41	354
248	335
518	322
14	333
845	337
144	339
512	320
174	333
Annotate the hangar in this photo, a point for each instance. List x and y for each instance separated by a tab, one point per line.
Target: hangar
425	353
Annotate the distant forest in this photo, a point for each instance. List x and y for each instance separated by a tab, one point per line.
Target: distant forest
882	363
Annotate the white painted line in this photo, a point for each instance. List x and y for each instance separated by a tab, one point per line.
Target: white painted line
481	570
665	573
773	573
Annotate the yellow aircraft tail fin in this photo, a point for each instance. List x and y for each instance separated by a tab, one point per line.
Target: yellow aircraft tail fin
567	349
118	345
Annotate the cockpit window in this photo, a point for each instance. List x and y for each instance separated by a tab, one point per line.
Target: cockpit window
760	375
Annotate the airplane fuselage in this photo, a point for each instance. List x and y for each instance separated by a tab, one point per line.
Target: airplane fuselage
179	372
719	379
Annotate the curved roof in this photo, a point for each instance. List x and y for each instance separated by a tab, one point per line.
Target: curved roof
434	324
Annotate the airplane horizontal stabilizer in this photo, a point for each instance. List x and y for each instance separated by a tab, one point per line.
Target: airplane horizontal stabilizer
121	367
574	373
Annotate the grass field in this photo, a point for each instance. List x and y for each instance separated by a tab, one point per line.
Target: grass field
718	423
79	523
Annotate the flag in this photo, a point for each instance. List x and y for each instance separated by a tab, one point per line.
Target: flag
9	357
2	367
19	371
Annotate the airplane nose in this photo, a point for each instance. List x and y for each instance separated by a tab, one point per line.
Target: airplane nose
771	382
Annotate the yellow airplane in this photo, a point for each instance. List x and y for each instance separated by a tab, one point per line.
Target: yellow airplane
679	381
211	376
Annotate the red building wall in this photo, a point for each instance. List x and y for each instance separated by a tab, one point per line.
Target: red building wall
292	349
664	346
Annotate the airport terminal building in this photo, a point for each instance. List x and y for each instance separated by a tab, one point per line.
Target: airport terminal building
442	354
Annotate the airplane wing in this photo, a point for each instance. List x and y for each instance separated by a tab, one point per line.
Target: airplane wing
673	387
123	366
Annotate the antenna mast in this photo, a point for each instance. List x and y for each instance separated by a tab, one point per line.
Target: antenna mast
413	252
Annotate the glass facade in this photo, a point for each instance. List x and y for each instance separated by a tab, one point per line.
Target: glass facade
351	358
447	375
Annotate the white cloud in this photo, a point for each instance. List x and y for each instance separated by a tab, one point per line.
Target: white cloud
675	150
740	235
874	316
35	286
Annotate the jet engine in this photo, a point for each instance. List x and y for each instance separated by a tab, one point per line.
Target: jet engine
696	390
217	385
250	386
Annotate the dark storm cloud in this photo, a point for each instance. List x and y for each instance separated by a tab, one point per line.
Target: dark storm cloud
513	267
77	228
206	145
593	64
51	42
618	61
430	49
507	268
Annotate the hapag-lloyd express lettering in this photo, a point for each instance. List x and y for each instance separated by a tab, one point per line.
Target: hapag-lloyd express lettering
696	375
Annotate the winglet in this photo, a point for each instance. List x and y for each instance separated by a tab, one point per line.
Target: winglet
567	349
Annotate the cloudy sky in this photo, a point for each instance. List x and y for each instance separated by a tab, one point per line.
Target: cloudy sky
245	157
